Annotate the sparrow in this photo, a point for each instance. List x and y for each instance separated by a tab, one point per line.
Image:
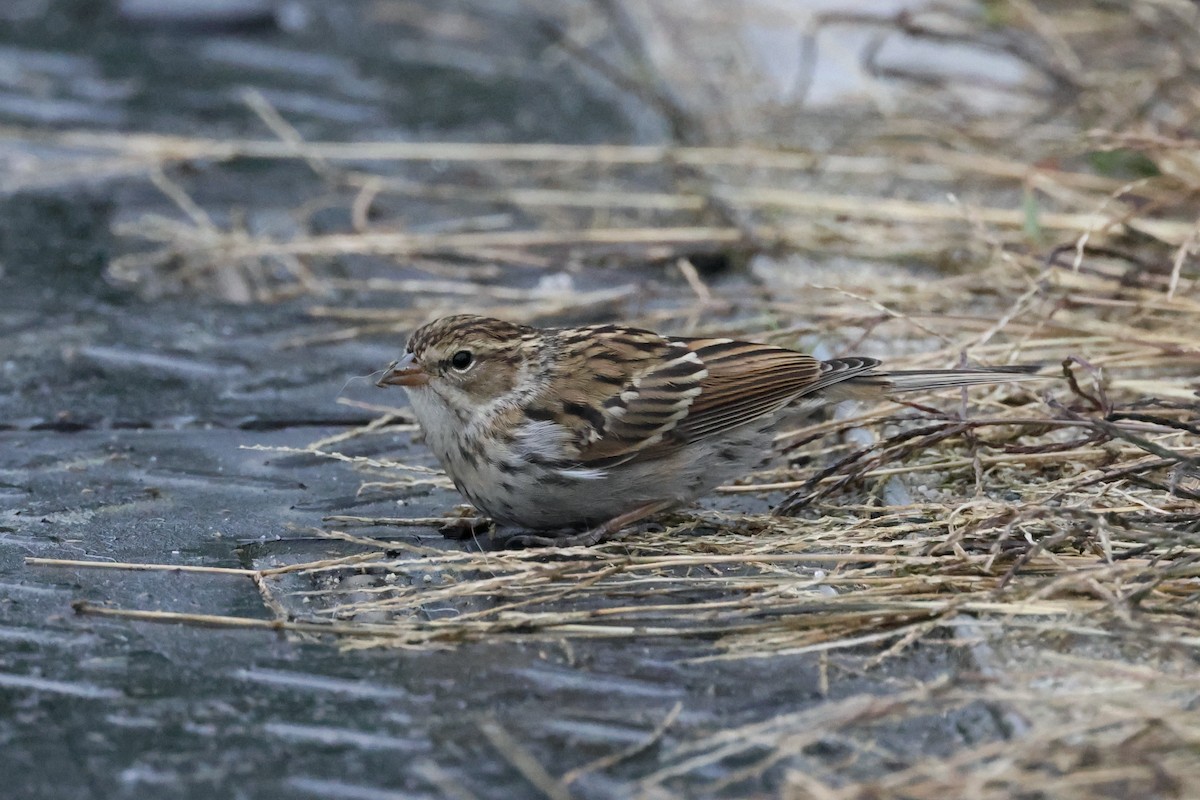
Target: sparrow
594	428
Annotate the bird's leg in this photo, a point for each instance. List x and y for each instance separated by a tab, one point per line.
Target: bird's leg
464	527
601	533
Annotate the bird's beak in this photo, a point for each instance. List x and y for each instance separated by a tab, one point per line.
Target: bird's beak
405	372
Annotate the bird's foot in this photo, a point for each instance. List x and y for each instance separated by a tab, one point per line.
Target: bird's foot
601	533
585	539
465	528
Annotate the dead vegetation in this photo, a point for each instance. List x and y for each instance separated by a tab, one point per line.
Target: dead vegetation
1059	525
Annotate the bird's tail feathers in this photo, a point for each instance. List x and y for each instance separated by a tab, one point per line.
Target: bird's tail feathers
874	383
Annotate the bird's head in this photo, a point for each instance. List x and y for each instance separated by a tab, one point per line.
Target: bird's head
463	361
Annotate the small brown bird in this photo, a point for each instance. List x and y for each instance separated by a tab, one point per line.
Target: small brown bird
597	427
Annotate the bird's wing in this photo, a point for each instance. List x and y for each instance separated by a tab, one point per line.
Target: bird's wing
745	381
637	388
646	395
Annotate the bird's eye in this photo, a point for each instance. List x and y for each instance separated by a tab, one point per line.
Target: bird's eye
461	359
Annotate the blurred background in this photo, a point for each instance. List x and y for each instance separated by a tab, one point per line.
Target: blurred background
218	216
